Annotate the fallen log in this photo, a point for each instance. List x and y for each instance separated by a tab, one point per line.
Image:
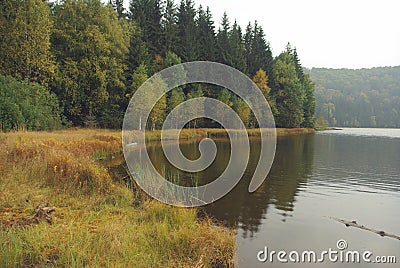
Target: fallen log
356	225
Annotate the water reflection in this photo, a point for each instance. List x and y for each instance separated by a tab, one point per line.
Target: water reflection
289	173
290	170
313	177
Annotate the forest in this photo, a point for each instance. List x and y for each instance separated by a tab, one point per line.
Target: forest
358	98
85	59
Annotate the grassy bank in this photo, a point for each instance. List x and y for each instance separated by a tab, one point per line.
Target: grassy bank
97	222
222	133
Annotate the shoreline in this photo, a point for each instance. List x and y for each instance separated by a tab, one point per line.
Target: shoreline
196	133
62	207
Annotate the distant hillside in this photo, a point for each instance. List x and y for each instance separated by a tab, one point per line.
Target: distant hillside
358	98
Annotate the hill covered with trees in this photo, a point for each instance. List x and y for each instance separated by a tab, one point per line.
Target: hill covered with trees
358	98
94	56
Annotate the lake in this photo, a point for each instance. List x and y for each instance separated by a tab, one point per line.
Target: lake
350	174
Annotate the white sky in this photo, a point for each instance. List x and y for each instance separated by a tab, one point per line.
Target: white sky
326	33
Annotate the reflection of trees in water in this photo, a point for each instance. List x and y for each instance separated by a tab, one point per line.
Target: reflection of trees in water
292	166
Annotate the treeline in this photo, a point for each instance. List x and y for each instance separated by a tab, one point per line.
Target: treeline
358	98
94	56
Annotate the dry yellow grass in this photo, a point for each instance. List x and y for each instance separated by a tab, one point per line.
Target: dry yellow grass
95	223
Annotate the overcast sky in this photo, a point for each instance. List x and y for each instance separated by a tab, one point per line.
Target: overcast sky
326	33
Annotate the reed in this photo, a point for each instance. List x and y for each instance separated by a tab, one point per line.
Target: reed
97	220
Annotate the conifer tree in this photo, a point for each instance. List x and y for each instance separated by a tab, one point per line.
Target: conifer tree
188	40
258	52
236	49
118	5
289	94
148	16
223	41
206	35
170	27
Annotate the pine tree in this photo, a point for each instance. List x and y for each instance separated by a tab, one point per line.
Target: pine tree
258	52
236	49
309	102
188	40
223	41
299	68
148	16
138	53
206	34
170	27
118	5
138	78
289	94
307	87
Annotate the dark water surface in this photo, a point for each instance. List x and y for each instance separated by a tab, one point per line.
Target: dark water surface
351	174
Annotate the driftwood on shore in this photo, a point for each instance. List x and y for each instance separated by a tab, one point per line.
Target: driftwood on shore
356	225
42	212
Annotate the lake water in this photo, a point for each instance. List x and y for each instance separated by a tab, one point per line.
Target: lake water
351	174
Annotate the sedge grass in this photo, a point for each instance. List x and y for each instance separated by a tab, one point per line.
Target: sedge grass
95	223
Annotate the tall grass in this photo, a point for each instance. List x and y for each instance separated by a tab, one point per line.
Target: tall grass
98	222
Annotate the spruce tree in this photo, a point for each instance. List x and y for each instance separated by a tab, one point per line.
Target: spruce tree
206	35
224	55
138	53
188	40
148	16
170	28
309	102
237	49
118	5
289	94
258	52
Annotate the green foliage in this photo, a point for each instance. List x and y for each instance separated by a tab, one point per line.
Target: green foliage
258	52
157	115
207	41
148	16
138	78
118	5
94	55
196	92
25	40
90	44
176	97
170	27
289	93
27	105
138	52
188	39
309	102
261	80
236	49
358	98
242	109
